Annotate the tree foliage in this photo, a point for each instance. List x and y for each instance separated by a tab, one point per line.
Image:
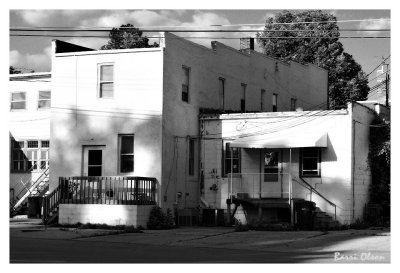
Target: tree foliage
127	36
379	162
13	70
347	81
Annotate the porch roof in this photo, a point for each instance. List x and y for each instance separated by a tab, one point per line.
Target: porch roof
283	139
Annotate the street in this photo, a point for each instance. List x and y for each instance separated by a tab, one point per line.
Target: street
197	245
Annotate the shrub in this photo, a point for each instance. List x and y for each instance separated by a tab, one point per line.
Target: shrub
160	220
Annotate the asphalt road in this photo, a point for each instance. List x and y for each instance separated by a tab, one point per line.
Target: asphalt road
32	250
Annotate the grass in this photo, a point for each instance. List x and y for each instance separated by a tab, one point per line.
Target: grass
118	229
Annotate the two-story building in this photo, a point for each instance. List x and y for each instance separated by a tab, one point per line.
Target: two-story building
29	129
131	116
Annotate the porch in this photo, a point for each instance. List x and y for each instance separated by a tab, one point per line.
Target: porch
113	200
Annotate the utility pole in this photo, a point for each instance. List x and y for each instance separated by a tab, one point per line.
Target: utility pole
387	84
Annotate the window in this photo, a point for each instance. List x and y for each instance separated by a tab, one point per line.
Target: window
95	162
243	100
274	102
262	100
221	93
310	162
18	101
106	81
44	101
293	104
191	156
29	156
271	166
126	155
232	159
185	83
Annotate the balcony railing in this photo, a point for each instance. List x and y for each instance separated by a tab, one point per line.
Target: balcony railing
110	190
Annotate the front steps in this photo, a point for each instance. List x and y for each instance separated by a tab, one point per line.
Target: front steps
323	221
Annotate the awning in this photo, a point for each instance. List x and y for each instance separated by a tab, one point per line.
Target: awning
283	139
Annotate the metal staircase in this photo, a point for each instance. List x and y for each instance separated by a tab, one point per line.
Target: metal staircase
38	188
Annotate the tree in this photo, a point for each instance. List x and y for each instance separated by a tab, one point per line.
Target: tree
13	70
127	36
347	81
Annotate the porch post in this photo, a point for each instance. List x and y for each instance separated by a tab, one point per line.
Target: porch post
231	151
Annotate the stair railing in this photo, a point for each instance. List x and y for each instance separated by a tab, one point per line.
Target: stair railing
313	190
50	204
25	192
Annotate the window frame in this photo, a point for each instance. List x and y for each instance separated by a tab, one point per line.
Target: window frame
184	69
243	98
24	149
221	103
100	82
225	159
14	101
301	169
39	100
120	154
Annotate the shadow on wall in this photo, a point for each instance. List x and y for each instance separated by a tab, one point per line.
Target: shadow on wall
328	154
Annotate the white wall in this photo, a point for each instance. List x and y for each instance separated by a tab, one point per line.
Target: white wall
130	215
80	118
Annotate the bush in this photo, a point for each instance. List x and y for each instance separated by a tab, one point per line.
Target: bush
160	220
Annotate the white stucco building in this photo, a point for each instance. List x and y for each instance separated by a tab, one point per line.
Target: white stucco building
29	129
265	160
135	113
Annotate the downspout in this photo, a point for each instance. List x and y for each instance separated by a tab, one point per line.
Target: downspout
353	168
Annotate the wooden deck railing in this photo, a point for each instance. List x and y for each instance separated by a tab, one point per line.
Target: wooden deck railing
111	190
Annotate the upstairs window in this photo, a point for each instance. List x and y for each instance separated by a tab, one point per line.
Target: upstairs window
18	101
126	153
221	93
185	83
310	162
44	101
274	102
243	100
106	81
293	103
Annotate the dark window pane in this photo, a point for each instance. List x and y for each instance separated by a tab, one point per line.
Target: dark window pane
107	90
18	105
94	170
106	73
18	96
45	143
44	95
95	157
310	164
44	104
126	144
271	177
43	164
33	144
126	163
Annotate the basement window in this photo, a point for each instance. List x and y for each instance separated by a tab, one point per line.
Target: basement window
310	162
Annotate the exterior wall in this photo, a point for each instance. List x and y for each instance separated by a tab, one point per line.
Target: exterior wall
336	178
307	84
80	118
29	124
130	215
362	117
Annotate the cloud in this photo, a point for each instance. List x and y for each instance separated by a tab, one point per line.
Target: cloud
40	62
382	23
37	17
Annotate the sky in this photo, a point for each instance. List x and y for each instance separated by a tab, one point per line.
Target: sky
34	52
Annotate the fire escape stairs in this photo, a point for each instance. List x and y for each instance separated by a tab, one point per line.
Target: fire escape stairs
37	189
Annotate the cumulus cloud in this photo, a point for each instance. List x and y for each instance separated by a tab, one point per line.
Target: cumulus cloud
40	62
382	23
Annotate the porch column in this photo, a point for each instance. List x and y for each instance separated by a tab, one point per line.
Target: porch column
291	189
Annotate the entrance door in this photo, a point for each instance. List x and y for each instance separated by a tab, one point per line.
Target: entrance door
270	180
92	161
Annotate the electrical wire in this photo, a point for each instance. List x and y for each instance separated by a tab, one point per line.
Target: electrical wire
378	65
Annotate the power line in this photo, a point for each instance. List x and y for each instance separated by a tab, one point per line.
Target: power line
187	30
378	65
203	37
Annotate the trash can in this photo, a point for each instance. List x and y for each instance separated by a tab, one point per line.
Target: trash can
35	207
304	211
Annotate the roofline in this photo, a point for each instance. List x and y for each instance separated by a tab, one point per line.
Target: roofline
31	75
260	115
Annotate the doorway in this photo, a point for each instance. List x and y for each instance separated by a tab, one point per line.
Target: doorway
271	163
93	160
